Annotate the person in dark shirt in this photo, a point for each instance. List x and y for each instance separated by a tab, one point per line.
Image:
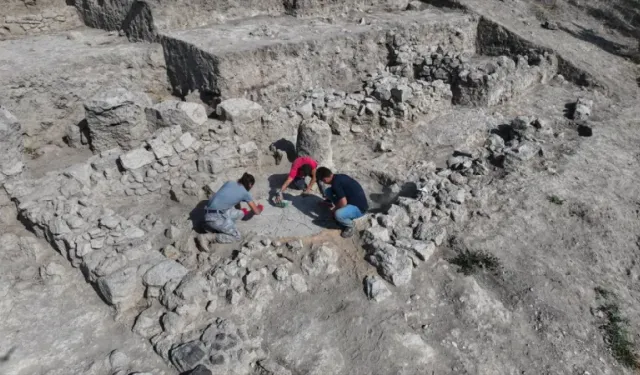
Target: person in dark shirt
348	198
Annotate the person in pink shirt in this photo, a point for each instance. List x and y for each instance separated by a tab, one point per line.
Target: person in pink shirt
302	167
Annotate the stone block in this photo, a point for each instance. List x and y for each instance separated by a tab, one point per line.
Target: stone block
137	158
116	118
122	288
164	272
314	140
189	116
239	110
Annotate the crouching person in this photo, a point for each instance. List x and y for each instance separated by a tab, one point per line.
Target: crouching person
223	209
302	167
347	196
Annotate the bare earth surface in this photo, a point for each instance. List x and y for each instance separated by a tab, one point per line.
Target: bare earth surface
499	156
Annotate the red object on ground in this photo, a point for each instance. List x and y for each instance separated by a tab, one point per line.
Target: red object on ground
261	207
245	211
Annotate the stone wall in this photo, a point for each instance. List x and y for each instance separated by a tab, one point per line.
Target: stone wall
295	55
487	83
33	18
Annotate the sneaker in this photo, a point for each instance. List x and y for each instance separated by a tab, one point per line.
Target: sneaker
347	232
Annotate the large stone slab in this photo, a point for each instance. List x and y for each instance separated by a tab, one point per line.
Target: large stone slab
116	118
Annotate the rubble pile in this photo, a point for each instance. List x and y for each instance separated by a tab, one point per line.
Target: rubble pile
413	227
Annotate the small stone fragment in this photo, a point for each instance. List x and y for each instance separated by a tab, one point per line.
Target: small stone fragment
375	288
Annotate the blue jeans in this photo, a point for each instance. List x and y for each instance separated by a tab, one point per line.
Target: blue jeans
224	225
345	215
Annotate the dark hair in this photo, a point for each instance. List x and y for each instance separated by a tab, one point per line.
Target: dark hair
306	170
323	172
247	181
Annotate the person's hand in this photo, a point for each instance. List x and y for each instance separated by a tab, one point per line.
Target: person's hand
279	196
306	193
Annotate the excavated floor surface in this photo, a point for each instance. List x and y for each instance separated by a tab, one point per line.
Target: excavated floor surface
536	315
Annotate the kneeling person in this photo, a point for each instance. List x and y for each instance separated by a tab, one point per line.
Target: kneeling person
347	196
223	209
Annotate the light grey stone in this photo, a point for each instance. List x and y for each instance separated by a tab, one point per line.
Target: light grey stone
322	260
430	232
137	158
183	143
239	110
314	140
298	283
160	148
164	272
11	144
192	287
116	118
281	273
375	288
147	323
118	360
582	110
422	249
122	288
376	233
189	116
305	110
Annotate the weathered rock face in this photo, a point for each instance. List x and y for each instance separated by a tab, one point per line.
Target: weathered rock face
10	144
314	140
487	84
239	110
116	118
190	116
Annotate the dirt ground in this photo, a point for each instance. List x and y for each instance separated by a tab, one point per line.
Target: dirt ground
559	237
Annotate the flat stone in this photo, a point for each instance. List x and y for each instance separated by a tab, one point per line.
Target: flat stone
160	149
239	110
298	283
183	143
164	272
137	158
187	356
189	116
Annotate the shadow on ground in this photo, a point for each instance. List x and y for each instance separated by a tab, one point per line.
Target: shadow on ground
592	37
383	201
197	217
310	205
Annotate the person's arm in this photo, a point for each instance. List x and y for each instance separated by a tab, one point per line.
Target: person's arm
285	185
341	203
255	208
341	197
313	181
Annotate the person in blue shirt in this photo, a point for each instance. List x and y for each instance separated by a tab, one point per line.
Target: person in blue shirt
347	196
223	209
